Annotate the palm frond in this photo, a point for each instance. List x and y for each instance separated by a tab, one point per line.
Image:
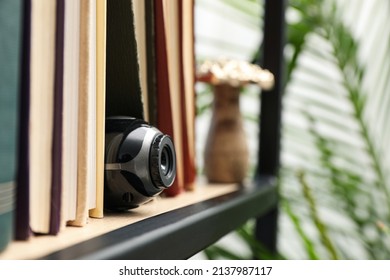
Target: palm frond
330	128
335	124
296	220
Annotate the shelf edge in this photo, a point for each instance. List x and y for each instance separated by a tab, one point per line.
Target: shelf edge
193	227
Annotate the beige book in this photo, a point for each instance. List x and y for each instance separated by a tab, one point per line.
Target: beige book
86	177
42	63
188	94
101	10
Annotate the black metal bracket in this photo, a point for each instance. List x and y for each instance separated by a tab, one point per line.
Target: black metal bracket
271	111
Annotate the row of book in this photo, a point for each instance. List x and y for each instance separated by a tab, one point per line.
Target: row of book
65	67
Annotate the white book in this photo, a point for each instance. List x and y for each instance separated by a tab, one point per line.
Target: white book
70	110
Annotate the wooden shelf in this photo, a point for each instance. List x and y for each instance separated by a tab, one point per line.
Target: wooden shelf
38	246
193	219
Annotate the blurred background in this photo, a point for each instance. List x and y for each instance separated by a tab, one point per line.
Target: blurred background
334	179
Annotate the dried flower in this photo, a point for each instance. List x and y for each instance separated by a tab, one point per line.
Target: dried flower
234	72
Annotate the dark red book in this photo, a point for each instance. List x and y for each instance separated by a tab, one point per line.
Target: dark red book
166	89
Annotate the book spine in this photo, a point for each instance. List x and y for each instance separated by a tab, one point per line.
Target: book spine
151	60
86	176
22	215
101	9
187	90
164	110
56	190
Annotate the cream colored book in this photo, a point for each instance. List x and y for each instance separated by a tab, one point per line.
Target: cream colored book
86	176
70	110
42	63
188	92
101	11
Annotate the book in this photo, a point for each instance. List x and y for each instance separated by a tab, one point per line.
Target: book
86	171
187	76
10	34
175	65
123	85
22	207
56	156
70	111
101	10
150	34
168	82
42	67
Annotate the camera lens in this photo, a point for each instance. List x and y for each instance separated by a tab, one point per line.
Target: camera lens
167	164
163	161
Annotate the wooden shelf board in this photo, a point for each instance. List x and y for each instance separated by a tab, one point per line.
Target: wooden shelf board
40	246
183	232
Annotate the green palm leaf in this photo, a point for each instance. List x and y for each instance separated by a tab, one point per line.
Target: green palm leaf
347	179
336	109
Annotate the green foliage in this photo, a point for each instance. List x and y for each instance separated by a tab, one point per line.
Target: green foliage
346	152
334	186
257	250
319	224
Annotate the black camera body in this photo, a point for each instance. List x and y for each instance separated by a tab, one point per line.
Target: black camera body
140	162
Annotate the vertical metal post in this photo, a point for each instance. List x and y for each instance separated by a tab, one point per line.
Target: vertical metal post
271	107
